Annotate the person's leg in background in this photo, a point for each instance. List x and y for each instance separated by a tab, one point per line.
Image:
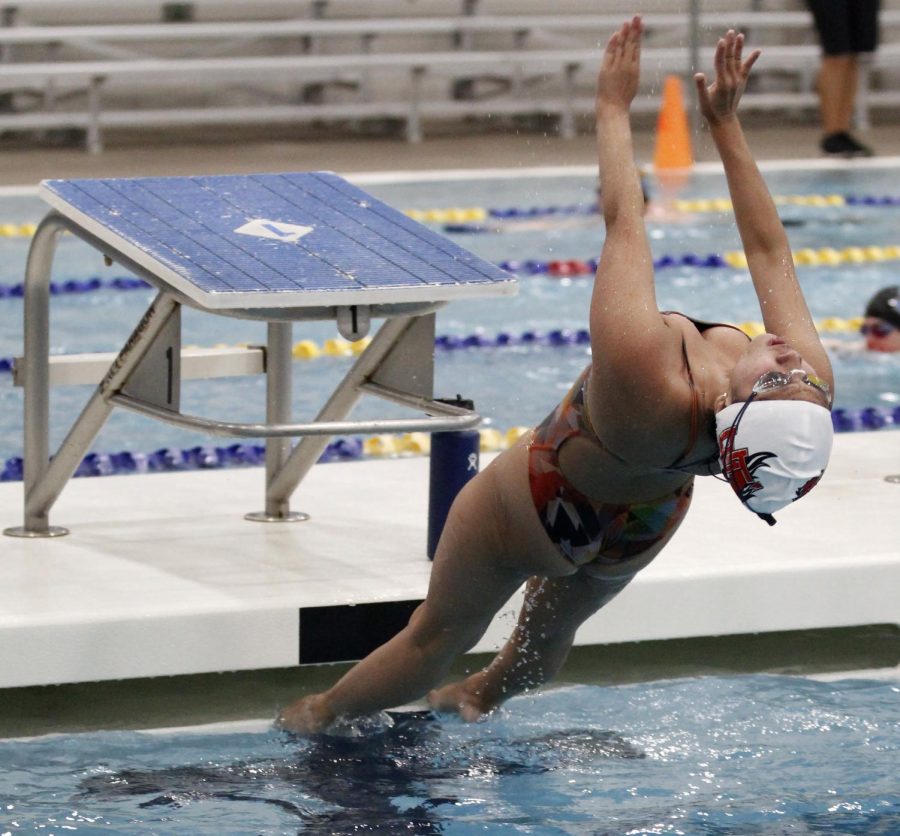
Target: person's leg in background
846	28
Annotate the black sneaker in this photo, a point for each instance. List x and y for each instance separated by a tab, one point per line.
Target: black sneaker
841	144
859	150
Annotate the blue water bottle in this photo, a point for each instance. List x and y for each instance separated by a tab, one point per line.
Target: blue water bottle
454	460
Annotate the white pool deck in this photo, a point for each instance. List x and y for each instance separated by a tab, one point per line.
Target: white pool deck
161	575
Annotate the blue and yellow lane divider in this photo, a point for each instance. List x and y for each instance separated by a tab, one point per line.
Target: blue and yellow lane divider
77	286
723	204
477	214
555	269
209	457
17	230
736	259
337	347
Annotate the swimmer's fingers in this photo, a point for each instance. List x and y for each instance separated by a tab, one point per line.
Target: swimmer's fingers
620	69
632	46
702	86
744	66
613	46
728	58
703	96
734	56
719	100
613	51
624	43
702	90
731	70
720	60
748	64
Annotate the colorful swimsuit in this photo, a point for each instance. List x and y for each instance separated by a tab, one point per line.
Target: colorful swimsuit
586	529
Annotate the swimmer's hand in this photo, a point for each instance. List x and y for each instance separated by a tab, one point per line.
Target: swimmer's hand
620	69
719	101
460	698
308	715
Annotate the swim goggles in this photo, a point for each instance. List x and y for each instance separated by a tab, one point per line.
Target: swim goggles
771	381
877	329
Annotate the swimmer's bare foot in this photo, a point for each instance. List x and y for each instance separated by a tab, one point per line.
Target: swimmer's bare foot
306	716
461	698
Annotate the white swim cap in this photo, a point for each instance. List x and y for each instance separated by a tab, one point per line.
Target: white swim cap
773	452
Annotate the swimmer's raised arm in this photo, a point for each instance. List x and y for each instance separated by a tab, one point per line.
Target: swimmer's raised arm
626	328
635	382
617	85
765	242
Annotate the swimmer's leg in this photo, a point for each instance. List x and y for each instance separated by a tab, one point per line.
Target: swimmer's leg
553	610
472	577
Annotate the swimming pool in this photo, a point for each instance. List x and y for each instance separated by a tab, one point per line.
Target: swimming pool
537	371
717	755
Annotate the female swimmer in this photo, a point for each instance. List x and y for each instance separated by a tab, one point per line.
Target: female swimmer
592	495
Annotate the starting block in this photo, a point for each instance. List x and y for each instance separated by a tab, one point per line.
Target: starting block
273	247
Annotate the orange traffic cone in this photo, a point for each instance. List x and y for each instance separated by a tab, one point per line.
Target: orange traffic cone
673	136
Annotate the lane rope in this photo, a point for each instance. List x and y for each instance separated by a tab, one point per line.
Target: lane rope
354	448
557	268
208	457
337	347
469	214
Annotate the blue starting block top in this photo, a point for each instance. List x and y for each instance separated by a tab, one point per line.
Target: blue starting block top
273	241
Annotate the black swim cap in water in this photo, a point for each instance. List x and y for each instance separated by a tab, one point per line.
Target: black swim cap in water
886	305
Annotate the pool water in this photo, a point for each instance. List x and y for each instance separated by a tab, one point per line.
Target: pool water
531	377
742	755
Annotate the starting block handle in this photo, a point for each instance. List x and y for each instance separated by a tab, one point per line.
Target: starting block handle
451	418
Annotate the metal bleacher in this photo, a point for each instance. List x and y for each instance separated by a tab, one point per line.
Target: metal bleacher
95	66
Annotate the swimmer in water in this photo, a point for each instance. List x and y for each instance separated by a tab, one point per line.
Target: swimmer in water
881	325
880	329
594	493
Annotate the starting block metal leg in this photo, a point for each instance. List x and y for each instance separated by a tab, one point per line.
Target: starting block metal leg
44	478
45	490
306	453
37	374
278	411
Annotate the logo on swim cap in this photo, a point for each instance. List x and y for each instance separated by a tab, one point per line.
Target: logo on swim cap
739	467
803	491
773	452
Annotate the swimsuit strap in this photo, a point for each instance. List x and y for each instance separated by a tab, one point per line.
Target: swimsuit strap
571	417
703	325
695	411
585	428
